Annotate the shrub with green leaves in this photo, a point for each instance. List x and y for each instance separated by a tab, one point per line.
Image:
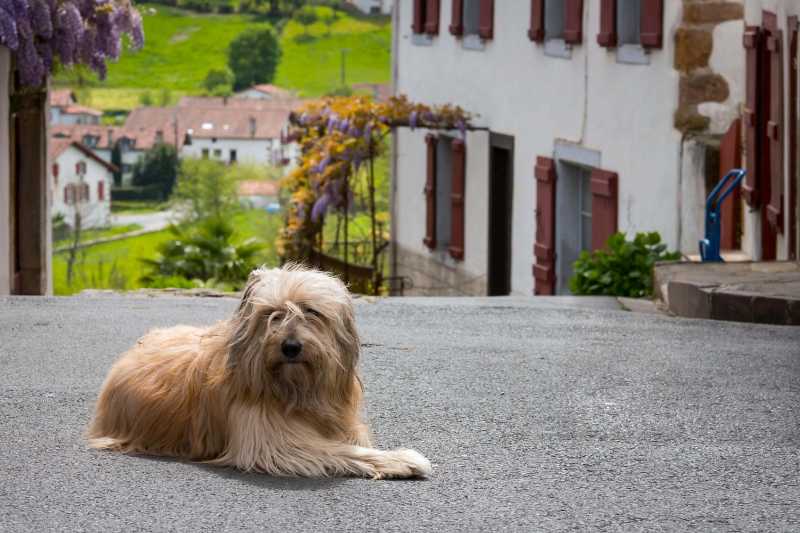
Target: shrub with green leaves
622	268
206	252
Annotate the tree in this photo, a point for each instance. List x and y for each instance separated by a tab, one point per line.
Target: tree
219	82
305	17
207	189
158	168
329	19
253	57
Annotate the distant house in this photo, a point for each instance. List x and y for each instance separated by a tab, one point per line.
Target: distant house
259	194
80	182
265	92
100	139
64	110
374	7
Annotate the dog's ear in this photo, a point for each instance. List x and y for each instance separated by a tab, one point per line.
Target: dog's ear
240	327
347	337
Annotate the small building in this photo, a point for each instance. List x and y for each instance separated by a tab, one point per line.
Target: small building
259	194
80	182
265	92
100	139
373	7
64	110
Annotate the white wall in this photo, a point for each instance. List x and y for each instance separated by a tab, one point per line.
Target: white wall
95	213
753	16
257	151
71	119
623	111
383	6
5	183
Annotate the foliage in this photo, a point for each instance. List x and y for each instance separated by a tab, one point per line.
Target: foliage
219	82
253	57
622	268
44	34
313	67
207	189
329	19
159	166
206	252
181	46
305	17
337	136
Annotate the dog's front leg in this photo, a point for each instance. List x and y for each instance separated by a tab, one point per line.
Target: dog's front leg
381	464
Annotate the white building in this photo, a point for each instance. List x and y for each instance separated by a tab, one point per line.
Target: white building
591	117
64	110
265	91
80	182
373	7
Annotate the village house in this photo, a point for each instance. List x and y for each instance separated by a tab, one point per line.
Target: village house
80	183
100	139
265	91
373	7
589	118
64	110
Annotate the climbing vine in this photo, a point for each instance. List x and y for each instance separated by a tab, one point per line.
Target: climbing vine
338	137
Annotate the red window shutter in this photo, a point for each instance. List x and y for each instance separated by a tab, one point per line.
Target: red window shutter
456	248
536	31
750	114
55	171
432	17
101	190
604	207
430	192
730	157
457	18
774	43
573	21
608	24
486	20
652	23
544	271
418	23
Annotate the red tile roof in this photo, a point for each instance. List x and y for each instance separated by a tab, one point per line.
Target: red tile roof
58	146
272	90
258	188
61	98
82	110
79	132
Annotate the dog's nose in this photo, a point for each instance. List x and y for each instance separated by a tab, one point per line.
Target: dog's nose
291	348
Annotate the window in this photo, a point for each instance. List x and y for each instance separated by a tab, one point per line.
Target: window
557	24
217	153
425	20
233	156
205	153
474	21
553	19
629	16
444	195
633	27
101	190
80	168
90	141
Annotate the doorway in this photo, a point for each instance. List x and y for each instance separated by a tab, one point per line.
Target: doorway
501	181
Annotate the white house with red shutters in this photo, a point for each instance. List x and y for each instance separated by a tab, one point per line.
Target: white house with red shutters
590	118
80	182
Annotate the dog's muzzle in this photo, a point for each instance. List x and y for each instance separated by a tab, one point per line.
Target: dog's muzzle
291	349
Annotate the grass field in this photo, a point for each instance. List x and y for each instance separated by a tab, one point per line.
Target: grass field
94	234
182	46
116	265
311	64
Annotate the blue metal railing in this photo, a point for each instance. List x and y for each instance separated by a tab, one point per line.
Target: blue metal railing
710	246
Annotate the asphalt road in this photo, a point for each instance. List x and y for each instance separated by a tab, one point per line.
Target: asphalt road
536	416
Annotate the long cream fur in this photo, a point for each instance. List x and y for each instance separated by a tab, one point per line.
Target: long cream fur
227	396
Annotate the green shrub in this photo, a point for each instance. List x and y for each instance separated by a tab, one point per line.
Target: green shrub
205	252
622	268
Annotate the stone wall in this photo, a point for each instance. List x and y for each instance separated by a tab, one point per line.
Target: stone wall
699	82
435	278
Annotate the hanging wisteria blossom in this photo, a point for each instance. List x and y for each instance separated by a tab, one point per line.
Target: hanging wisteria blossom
45	33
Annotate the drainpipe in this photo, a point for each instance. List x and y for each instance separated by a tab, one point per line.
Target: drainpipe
393	181
679	199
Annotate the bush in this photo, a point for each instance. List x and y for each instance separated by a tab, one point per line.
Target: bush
253	57
205	252
148	193
218	82
207	189
623	268
306	17
158	168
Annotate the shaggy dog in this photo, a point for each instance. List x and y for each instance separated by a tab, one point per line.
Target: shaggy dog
274	389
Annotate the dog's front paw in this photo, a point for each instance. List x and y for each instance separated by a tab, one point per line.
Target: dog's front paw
401	464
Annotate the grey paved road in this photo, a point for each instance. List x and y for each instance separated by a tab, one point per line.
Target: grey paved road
536	417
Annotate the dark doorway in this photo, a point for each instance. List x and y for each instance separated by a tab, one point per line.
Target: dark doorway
501	179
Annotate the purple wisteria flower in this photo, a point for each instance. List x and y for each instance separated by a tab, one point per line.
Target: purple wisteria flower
75	31
412	119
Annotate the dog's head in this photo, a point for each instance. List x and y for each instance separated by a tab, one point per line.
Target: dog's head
293	337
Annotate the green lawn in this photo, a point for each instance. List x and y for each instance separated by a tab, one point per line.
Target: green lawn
116	265
312	65
122	99
180	47
129	207
94	234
